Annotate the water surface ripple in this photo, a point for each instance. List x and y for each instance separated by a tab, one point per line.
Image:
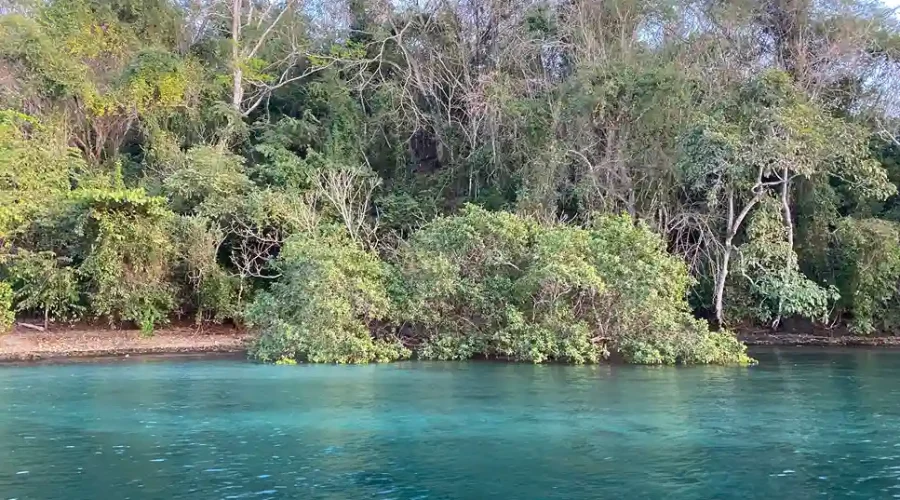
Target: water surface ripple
803	424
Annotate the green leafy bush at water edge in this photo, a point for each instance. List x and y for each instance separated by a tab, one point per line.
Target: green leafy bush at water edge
488	284
506	286
324	308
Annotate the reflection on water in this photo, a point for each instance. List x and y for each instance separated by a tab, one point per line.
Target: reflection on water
803	424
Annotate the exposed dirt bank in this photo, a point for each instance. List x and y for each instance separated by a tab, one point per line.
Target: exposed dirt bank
25	345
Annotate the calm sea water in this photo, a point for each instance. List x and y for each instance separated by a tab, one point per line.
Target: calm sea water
803	424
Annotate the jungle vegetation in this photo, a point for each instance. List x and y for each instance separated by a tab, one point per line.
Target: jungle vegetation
371	180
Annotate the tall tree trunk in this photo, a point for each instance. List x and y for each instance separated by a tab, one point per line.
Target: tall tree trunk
720	283
722	275
237	92
733	226
786	207
789	229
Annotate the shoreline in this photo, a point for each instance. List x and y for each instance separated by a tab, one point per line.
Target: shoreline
23	345
84	343
811	340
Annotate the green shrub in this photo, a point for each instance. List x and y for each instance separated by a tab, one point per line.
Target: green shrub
400	212
456	276
219	297
500	285
867	257
204	174
211	291
325	306
487	284
129	256
46	287
7	317
651	322
35	167
768	284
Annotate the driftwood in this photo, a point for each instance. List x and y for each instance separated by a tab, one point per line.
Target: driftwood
31	327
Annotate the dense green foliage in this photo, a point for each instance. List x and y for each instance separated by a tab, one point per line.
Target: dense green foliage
326	305
499	285
7	316
46	285
487	284
772	284
869	258
303	169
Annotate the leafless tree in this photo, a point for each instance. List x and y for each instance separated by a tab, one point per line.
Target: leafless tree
349	193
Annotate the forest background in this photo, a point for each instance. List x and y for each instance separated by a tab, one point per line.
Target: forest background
366	180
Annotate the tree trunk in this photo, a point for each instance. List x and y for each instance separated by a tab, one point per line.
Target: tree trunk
237	92
722	275
46	319
786	206
789	229
720	283
733	226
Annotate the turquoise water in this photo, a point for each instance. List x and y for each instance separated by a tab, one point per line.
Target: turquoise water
804	424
